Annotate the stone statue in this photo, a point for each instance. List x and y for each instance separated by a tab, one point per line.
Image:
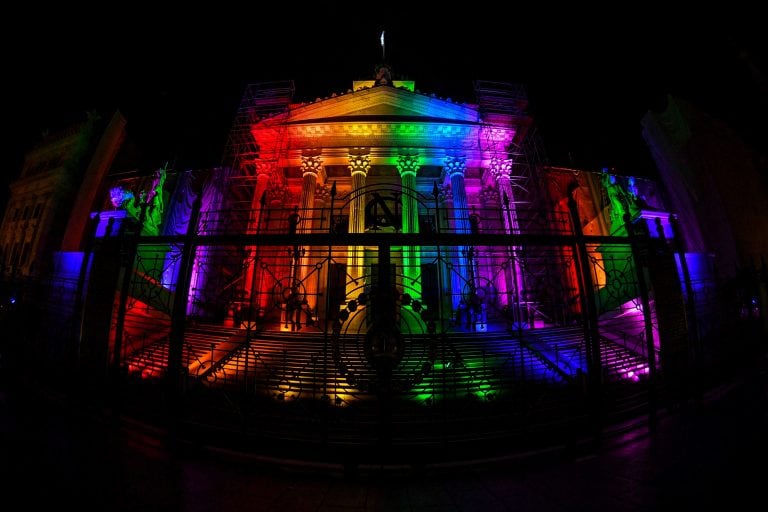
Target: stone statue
383	75
151	201
621	200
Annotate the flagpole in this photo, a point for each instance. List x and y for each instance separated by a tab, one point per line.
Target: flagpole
383	53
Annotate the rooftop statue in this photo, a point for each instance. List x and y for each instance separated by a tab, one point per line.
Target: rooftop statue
151	201
623	201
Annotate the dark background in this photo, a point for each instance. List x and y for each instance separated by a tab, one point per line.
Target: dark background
178	76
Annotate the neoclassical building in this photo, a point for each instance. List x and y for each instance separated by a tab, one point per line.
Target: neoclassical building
395	163
377	222
380	246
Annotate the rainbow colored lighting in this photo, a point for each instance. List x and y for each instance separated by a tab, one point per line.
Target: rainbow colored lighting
331	167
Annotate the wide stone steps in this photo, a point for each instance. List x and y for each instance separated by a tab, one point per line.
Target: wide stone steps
151	360
292	365
288	380
621	363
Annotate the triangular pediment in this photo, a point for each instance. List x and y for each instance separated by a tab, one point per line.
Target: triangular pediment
382	102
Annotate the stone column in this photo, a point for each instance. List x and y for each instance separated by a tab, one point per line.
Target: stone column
454	167
264	171
252	281
320	225
501	170
359	165
408	167
311	168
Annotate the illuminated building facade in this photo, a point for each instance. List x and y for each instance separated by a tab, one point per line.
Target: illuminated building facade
382	246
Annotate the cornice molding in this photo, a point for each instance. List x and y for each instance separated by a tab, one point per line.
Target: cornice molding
382	101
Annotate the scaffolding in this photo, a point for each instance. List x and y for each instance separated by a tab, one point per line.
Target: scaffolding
500	102
505	104
260	101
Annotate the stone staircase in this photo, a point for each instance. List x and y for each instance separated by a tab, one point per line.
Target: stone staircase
290	365
200	344
290	383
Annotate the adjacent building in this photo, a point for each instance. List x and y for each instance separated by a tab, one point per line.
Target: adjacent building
53	197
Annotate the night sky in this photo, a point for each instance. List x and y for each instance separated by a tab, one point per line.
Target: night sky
179	80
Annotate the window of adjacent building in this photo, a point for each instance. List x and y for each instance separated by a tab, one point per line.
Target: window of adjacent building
14	255
16	214
27	211
25	254
38	211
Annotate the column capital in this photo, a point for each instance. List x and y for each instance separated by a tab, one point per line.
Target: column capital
277	179
455	164
265	167
408	163
489	196
446	193
322	192
359	161
280	195
311	163
500	168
